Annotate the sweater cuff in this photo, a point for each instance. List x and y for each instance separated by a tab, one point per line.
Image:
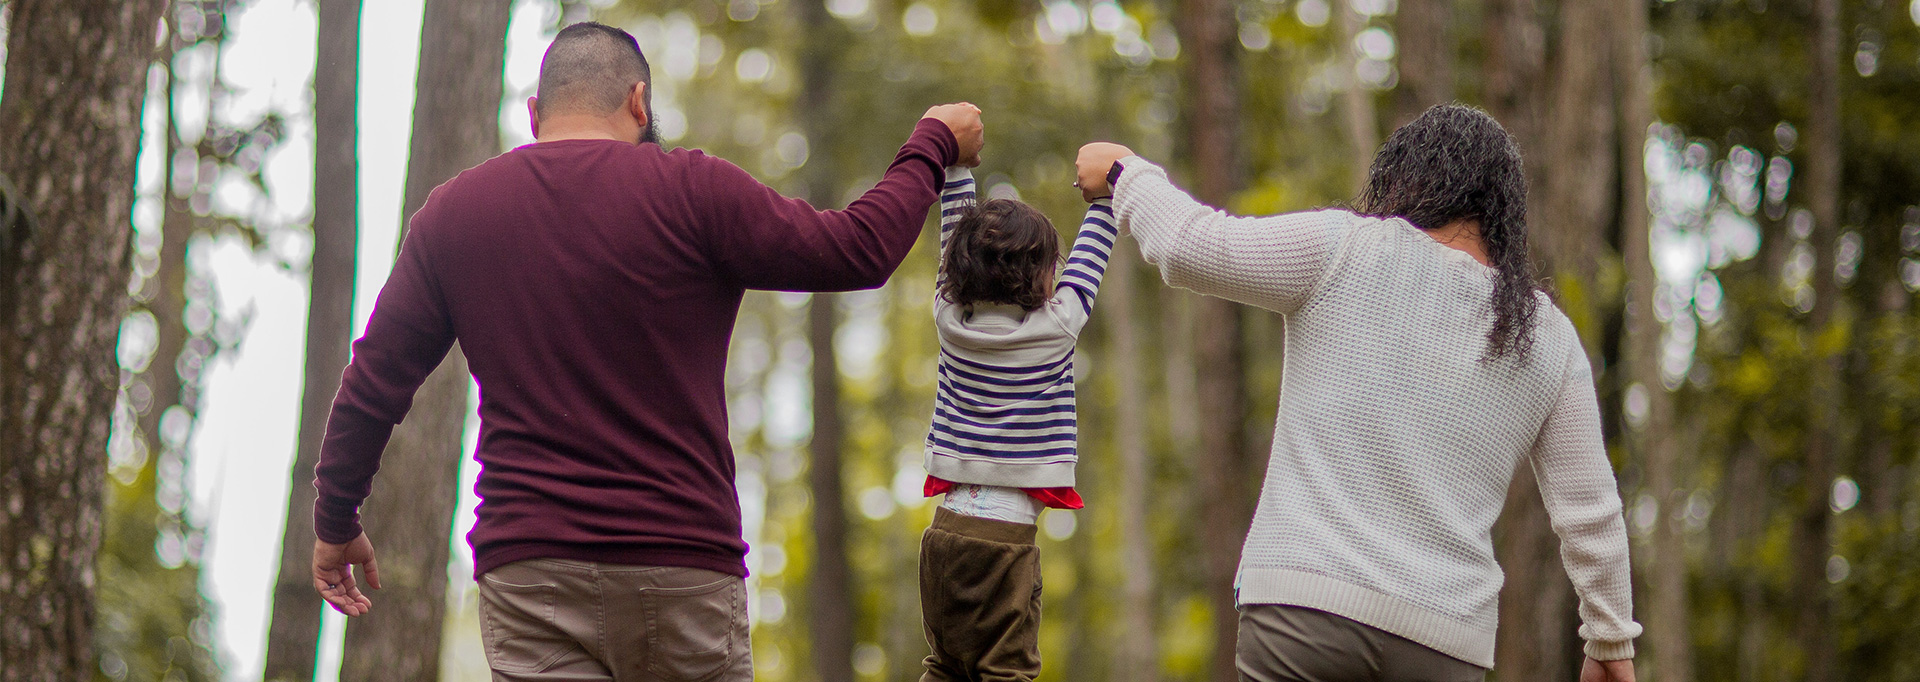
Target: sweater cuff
336	520
1609	651
1126	168
1130	169
946	146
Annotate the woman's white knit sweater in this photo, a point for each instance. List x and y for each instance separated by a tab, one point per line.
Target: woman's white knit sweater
1396	441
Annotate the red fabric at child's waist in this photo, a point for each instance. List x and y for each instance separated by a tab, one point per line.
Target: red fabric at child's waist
1054	498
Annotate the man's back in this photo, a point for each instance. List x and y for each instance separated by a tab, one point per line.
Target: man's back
593	286
577	279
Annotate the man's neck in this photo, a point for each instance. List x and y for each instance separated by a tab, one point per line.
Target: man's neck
580	127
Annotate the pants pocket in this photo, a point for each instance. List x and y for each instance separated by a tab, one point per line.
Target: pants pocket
517	623
694	633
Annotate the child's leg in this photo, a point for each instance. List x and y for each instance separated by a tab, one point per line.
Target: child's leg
980	596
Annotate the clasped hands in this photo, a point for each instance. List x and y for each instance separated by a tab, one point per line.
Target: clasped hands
1090	168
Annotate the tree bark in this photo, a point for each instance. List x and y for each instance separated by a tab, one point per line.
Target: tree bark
144	603
69	137
293	638
1812	536
1424	29
1668	628
1536	602
1576	163
830	591
1207	30
1363	129
830	607
1138	659
456	125
162	377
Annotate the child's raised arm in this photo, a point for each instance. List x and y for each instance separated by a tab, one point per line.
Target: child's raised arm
955	197
1086	264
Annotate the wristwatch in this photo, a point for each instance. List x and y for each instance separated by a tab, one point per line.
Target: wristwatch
1113	176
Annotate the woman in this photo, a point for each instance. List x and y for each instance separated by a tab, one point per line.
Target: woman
1422	365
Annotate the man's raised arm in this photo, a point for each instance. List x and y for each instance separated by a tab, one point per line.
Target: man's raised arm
762	240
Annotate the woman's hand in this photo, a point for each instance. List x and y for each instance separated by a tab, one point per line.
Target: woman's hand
1092	166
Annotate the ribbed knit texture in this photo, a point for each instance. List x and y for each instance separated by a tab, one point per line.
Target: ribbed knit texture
1004	408
1396	441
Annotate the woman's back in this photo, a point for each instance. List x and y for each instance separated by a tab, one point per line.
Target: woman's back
1397	434
1396	440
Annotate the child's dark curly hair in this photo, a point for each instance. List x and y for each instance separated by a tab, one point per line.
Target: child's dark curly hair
1001	251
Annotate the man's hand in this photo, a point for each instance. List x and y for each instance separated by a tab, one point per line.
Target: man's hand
1092	166
964	120
333	574
1607	671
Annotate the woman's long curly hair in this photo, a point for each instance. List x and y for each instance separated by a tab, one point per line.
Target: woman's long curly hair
1001	251
1452	163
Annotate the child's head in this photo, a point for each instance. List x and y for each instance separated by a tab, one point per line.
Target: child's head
1001	251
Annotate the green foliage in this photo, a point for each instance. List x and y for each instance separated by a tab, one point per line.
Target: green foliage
153	622
1732	75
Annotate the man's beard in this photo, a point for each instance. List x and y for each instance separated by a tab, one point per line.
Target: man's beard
650	132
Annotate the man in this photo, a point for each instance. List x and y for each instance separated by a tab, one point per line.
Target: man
592	279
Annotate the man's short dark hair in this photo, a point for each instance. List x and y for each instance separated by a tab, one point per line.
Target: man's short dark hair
590	69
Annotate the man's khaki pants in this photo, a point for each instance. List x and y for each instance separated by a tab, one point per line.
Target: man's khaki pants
550	619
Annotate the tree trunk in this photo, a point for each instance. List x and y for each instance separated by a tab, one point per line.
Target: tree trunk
1576	157
145	604
1812	536
1363	129
1207	30
294	635
830	592
162	377
1537	602
69	136
456	125
1668	628
1138	659
830	598
1424	29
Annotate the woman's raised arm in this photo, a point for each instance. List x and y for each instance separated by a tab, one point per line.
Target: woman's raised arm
1273	262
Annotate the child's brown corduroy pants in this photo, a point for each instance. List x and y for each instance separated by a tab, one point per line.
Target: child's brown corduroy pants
980	596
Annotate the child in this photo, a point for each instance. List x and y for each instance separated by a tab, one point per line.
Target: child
1002	444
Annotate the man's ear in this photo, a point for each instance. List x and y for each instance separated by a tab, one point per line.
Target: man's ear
533	115
637	103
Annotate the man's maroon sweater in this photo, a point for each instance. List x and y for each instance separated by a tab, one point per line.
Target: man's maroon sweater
593	285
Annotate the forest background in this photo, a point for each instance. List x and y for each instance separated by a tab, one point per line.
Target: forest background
1723	196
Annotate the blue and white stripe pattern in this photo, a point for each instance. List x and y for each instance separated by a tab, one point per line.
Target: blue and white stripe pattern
1004	407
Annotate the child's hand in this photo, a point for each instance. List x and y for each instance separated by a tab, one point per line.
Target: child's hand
1092	166
964	120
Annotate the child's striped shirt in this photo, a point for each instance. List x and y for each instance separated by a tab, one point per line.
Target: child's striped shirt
1004	406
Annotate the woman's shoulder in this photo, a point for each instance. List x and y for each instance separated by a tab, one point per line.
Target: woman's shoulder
1555	339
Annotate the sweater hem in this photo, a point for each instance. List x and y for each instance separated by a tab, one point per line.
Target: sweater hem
1440	632
949	467
495	556
1609	651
